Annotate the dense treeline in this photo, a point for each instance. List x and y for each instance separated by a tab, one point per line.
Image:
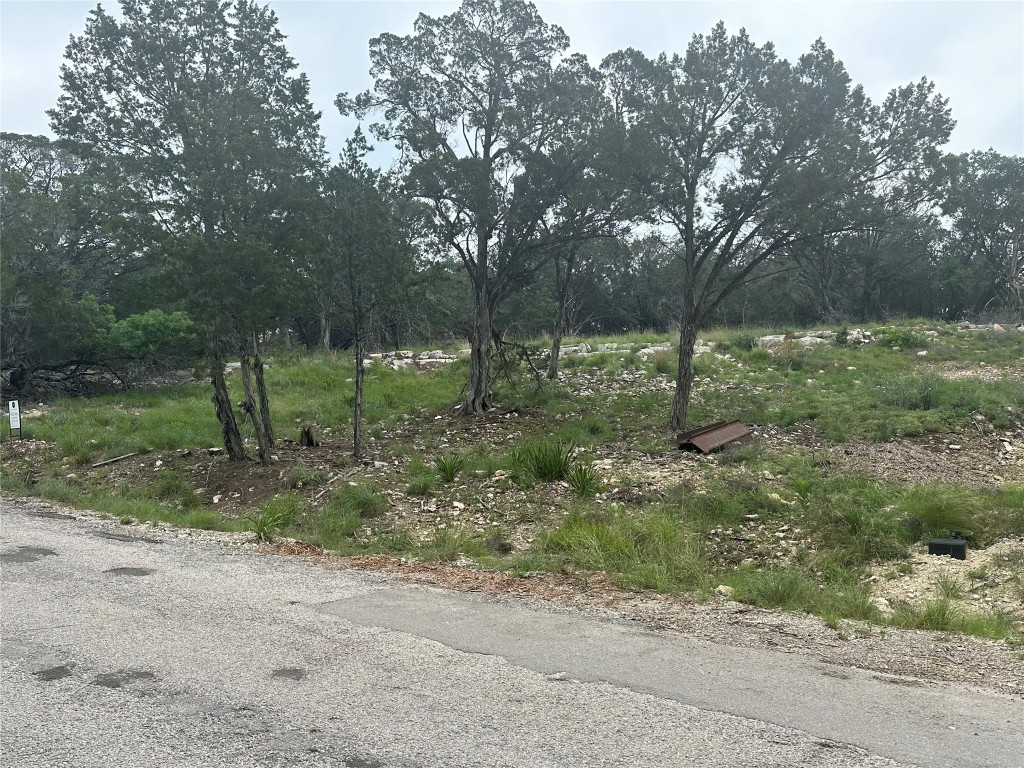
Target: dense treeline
187	210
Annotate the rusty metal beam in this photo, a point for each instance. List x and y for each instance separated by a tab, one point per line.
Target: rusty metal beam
712	436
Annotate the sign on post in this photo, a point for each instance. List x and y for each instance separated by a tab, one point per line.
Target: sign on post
15	414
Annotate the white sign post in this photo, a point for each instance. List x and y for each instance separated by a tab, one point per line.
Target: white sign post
15	413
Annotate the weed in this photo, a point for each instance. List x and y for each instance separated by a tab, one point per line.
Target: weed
280	512
652	552
364	501
301	474
448	545
173	488
420	485
665	362
942	616
449	466
787	589
584	480
547	461
803	487
940	510
899	338
949	586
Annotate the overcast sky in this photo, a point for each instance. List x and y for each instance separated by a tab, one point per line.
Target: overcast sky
974	50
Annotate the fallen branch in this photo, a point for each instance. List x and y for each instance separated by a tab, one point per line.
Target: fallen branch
114	460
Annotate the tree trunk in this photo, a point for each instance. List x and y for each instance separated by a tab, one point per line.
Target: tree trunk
325	331
684	373
478	390
556	336
225	414
249	405
357	416
261	392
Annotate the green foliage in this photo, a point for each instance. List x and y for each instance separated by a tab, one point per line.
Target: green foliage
546	461
153	335
301	474
361	499
449	466
584	480
279	513
902	338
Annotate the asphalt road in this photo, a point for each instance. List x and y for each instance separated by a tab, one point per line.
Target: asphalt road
165	651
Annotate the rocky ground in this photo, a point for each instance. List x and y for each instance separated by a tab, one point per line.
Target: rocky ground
642	467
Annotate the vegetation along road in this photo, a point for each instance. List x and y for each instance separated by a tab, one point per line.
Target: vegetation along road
124	648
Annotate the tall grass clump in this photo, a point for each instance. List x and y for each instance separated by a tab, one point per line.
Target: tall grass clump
449	466
278	513
546	461
652	552
584	480
172	488
362	500
941	510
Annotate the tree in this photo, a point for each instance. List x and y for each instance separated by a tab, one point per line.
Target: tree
987	208
62	275
196	107
486	113
362	259
742	156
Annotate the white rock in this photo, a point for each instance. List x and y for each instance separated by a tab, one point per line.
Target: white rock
811	341
771	341
724	590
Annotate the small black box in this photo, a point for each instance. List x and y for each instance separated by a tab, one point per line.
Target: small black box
955	548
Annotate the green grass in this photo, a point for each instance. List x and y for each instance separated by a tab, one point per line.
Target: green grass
449	466
941	615
361	499
653	552
547	461
304	389
658	540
